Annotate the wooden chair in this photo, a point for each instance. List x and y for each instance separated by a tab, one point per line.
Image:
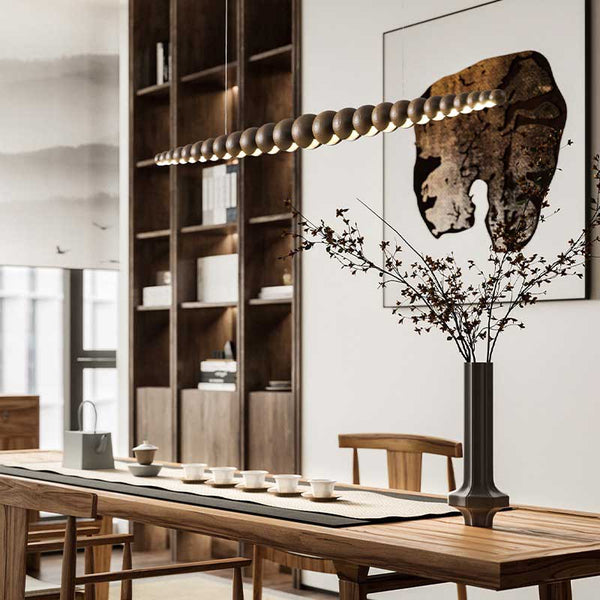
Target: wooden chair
404	462
17	496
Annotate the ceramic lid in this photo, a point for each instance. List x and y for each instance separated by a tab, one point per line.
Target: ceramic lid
145	445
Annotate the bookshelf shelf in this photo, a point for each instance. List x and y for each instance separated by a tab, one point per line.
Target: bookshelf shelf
166	233
218	228
152	235
205	305
278	58
142	308
280	218
268	301
212	78
161	89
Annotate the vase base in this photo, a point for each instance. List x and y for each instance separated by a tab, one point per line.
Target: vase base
479	511
478	517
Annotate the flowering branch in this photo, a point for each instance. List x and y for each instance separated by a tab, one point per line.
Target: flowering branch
437	293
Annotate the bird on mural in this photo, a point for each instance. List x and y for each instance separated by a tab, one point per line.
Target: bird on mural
101	227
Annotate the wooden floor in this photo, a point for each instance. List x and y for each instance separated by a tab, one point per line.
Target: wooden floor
51	564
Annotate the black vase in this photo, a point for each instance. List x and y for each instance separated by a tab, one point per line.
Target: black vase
478	499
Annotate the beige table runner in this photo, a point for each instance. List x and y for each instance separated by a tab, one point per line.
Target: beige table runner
359	505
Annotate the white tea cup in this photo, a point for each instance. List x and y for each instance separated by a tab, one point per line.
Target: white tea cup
322	488
194	471
254	479
287	484
223	475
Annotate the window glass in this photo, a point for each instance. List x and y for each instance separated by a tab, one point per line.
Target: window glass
31	343
100	295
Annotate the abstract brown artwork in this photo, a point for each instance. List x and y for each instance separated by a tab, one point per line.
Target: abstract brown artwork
514	148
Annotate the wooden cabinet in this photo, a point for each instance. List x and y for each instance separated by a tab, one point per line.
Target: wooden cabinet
19	422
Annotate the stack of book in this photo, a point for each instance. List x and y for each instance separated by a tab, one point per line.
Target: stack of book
274	292
276	385
218	374
219	194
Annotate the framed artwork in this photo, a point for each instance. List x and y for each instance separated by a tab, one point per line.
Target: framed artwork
447	183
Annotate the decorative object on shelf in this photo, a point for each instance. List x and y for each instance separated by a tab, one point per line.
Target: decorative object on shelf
163	278
217	278
156	295
449	182
88	449
274	292
290	134
145	452
287	278
471	305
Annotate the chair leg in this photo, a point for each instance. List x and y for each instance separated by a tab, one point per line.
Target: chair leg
90	590
461	591
69	564
238	585
127	585
257	573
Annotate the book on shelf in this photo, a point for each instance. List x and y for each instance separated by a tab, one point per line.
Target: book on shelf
163	63
219	194
217	278
156	295
218	371
217	387
276	291
276	385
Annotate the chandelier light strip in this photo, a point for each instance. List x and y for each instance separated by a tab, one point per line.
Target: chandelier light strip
328	128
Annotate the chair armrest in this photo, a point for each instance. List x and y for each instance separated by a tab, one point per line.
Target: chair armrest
85	542
176	569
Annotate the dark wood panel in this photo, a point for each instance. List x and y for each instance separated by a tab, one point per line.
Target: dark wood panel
201	34
271	425
268	25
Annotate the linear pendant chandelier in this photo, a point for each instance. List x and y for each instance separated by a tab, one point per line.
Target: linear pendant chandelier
328	128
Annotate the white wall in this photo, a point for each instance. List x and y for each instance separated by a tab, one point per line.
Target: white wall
123	349
362	372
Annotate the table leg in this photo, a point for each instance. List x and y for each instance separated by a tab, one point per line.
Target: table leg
102	556
556	591
352	580
13	546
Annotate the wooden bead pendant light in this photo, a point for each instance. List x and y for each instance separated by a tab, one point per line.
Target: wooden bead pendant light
328	128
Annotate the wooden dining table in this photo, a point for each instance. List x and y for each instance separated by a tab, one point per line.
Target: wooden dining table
527	546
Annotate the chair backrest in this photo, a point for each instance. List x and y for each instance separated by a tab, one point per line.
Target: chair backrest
34	495
404	456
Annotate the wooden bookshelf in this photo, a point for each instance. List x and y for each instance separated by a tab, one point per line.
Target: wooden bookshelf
167	343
